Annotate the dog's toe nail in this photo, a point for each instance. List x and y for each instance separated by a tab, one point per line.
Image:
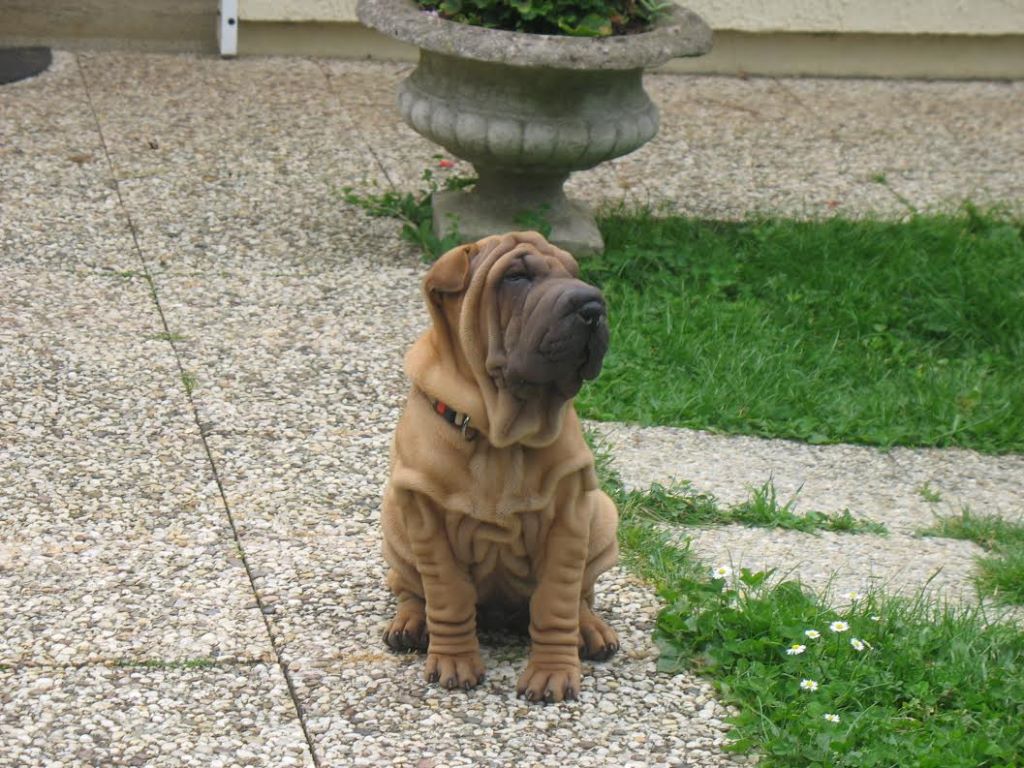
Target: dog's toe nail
434	677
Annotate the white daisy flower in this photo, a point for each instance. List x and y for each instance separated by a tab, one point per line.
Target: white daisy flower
721	572
809	685
795	649
832	718
875	618
813	634
853	597
839	626
858	645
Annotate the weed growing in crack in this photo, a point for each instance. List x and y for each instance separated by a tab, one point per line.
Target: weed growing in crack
414	209
189	381
1000	573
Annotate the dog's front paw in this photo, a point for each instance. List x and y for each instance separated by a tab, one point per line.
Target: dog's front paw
549	681
462	670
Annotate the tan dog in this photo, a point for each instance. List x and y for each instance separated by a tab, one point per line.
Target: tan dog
493	503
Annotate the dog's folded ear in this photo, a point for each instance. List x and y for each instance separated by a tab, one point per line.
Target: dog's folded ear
450	273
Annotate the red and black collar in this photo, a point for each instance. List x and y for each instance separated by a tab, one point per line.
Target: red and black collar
458	420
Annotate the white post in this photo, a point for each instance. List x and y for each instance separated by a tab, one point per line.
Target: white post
227	27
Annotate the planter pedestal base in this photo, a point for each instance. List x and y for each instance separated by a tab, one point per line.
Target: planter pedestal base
505	202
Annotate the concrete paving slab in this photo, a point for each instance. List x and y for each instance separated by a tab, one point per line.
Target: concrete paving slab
815	146
808	148
376	85
58	207
68	221
113	539
401	155
839	564
321	351
246	224
890	487
217	157
197	117
299	385
156	717
54	103
887	486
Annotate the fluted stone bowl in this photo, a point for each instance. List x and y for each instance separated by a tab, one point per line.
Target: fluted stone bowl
526	110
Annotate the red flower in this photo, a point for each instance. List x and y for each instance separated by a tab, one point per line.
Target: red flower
445	164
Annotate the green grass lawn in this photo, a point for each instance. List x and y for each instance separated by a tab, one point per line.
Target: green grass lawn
905	333
884	333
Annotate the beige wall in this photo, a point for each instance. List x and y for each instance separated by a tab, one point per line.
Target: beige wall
297	10
836	38
933	17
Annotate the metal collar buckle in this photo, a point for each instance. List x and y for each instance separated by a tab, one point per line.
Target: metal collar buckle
458	420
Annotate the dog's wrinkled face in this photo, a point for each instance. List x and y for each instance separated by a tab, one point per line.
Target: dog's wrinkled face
515	334
554	326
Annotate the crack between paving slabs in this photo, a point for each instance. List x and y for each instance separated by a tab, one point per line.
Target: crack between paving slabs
328	80
299	710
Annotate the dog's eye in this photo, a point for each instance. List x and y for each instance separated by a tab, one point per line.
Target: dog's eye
516	276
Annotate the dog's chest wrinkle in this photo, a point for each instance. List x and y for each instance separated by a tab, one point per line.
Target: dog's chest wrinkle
508	515
498	484
498	557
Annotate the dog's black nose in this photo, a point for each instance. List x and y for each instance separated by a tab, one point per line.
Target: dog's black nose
591	312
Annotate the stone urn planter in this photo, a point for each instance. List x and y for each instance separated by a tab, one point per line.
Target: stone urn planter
526	110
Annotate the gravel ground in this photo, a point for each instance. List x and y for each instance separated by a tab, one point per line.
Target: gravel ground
189	577
95	715
114	542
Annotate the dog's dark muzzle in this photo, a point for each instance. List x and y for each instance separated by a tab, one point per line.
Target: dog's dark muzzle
590	327
565	340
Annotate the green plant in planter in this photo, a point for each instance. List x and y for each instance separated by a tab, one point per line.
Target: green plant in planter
589	18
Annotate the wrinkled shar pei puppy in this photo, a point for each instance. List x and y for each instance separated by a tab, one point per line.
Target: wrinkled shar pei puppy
493	510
